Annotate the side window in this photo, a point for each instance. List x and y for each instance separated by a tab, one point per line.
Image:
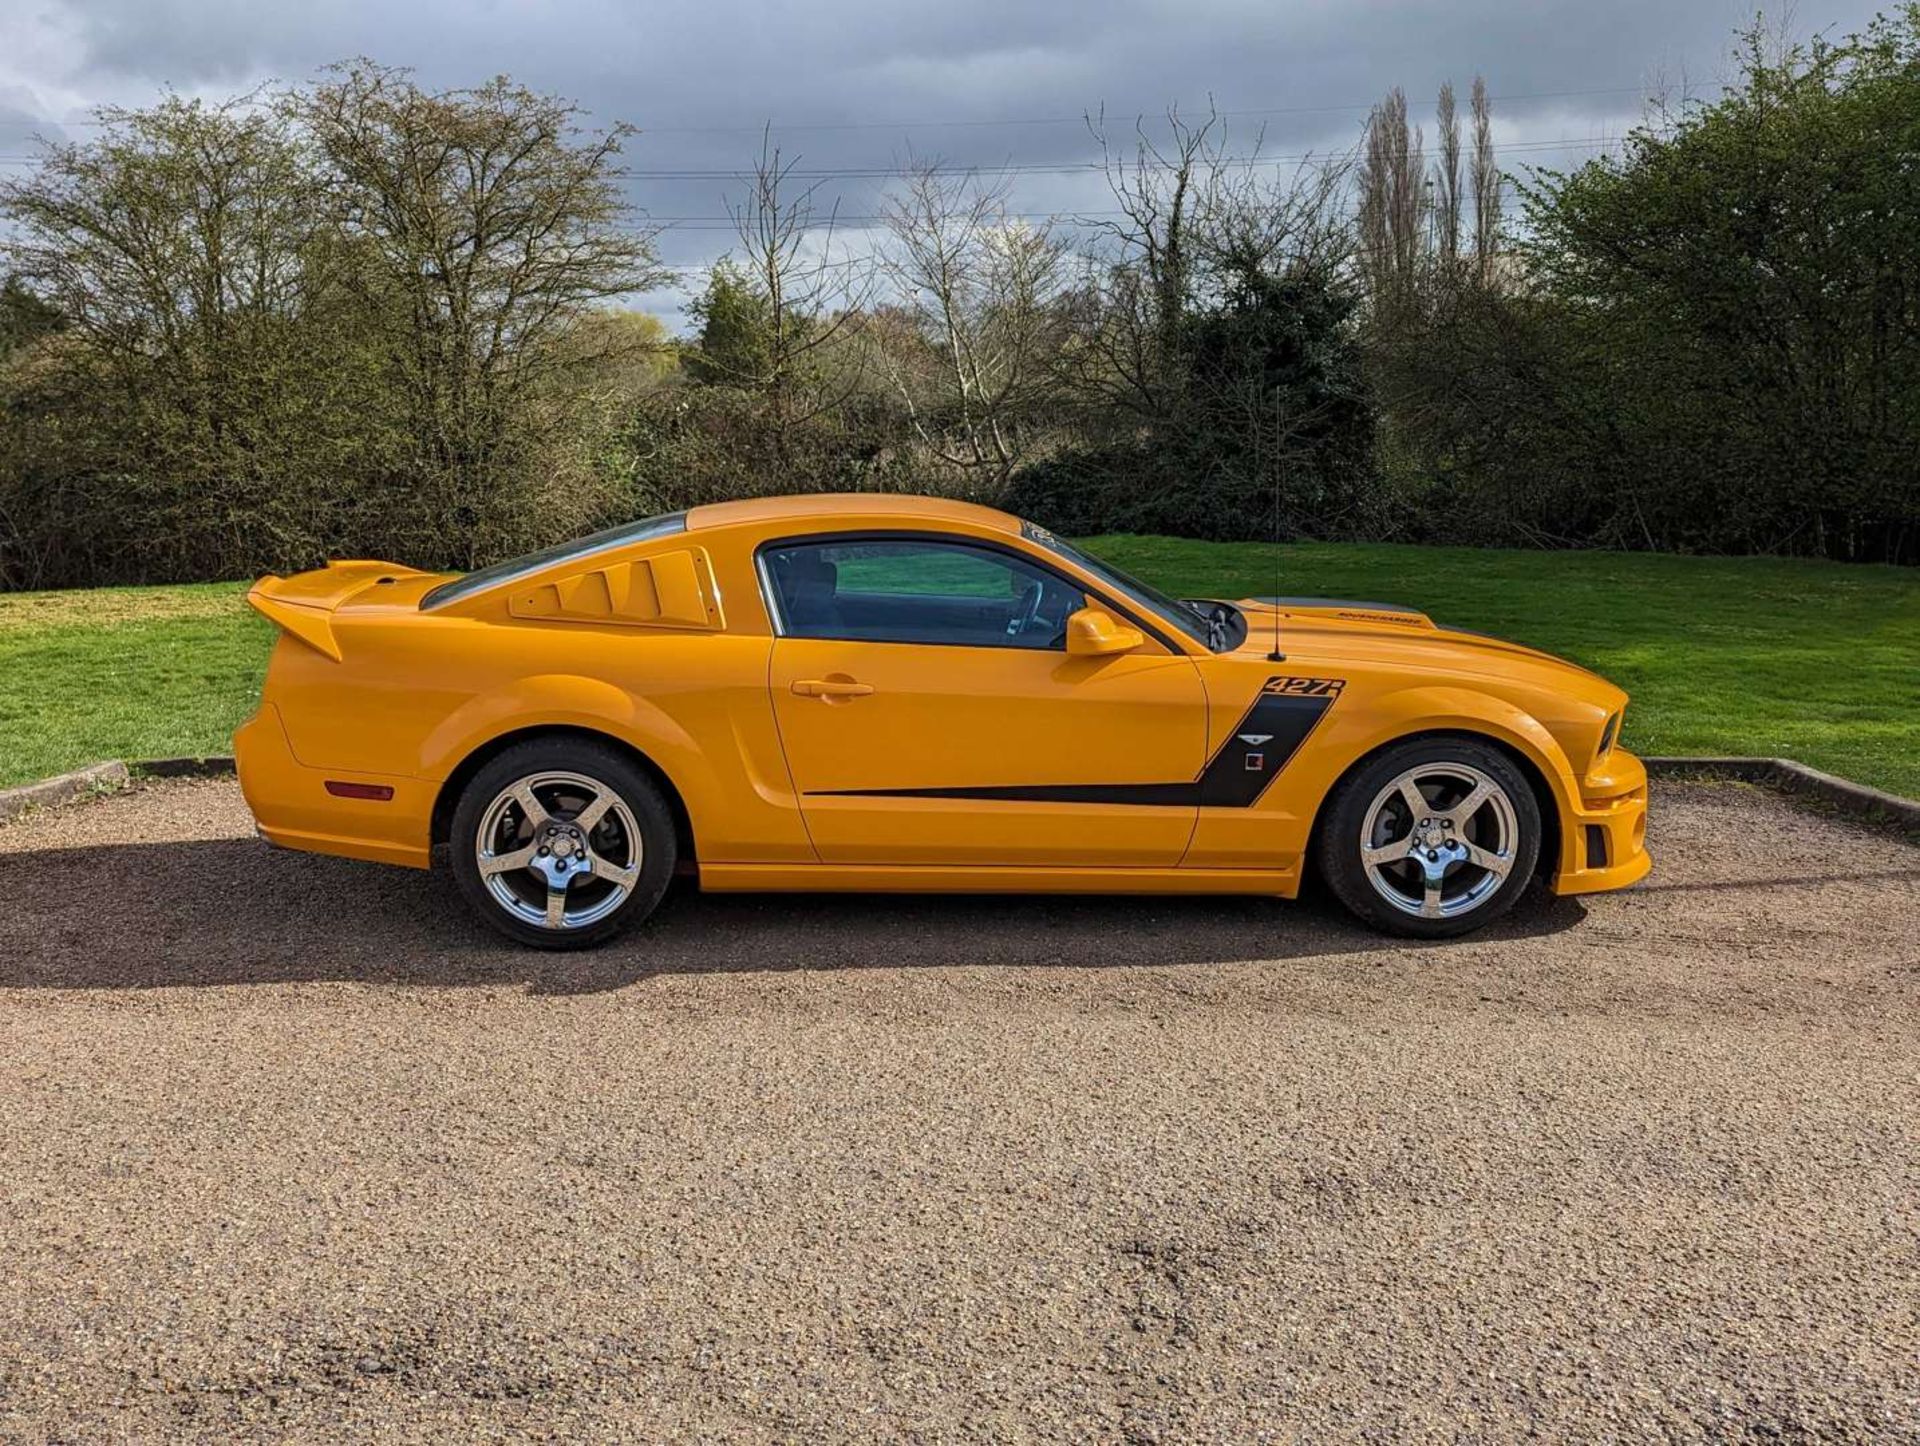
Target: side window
913	591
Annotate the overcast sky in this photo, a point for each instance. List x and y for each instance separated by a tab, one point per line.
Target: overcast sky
850	84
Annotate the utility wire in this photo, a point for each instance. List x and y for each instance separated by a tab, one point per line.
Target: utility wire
1044	168
1037	168
1076	120
827	217
1061	120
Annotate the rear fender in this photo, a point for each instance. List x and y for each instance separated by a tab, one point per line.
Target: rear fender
558	700
562	700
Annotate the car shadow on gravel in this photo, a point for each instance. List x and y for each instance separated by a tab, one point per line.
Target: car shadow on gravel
234	911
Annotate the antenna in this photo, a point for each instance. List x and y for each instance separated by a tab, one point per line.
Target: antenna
1279	567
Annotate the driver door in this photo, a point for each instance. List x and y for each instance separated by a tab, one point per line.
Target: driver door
931	714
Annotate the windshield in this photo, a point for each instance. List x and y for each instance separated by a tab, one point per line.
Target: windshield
1188	619
486	577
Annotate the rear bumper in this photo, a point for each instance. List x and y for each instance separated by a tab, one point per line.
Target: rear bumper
1603	840
291	804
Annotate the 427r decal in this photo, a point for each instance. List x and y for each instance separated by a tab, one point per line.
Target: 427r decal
1283	715
1306	687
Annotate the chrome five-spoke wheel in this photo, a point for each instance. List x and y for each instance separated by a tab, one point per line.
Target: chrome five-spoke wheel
560	843
559	850
1438	840
1431	837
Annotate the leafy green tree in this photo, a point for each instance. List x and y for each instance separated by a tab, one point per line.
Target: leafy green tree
1279	410
25	317
736	335
1216	358
1717	345
208	375
487	228
1272	433
626	350
355	318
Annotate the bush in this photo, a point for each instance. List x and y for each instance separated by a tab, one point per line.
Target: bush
1266	428
267	358
1715	341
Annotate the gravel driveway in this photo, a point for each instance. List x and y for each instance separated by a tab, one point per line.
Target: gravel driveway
289	1147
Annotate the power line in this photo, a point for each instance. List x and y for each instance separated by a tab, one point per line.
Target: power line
1074	120
829	218
27	122
1051	168
725	225
1037	168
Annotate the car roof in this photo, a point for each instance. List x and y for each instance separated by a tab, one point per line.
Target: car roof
864	506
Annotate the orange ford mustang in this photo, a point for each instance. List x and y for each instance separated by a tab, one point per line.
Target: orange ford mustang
895	693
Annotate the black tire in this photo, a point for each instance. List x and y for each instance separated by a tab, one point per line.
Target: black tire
635	798
1363	793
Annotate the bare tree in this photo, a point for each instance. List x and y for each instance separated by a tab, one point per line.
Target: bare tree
1278	222
1446	188
1392	202
1487	187
1143	276
806	298
983	292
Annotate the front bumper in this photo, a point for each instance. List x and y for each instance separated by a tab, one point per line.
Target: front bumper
293	809
1603	837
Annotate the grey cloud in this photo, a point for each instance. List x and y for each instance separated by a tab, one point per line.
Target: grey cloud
679	69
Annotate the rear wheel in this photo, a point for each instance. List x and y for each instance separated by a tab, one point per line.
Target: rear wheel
562	843
1432	838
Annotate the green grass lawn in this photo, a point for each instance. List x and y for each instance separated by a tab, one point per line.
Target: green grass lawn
1764	656
137	672
1813	661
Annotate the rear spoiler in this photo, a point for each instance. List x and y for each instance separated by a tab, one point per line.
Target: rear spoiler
310	625
303	605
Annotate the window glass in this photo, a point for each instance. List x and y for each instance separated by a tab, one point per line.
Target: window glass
486	577
911	591
1178	614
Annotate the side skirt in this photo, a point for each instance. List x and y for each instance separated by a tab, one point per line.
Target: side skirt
923	879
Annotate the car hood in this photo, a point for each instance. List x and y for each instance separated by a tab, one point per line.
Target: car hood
1390	633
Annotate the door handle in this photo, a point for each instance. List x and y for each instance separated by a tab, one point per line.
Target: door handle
830	688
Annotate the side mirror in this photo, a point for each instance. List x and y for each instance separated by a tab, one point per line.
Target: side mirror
1093	633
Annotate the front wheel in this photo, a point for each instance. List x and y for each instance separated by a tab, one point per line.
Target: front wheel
562	843
1432	838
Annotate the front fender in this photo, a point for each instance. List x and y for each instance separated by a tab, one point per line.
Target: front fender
1443	709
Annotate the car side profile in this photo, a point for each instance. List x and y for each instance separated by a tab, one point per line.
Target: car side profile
871	692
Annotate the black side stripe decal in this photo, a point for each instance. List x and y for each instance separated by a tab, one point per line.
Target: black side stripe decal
1263	744
1260	746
